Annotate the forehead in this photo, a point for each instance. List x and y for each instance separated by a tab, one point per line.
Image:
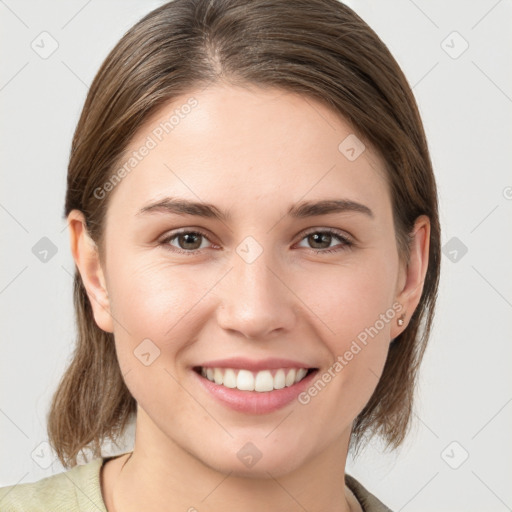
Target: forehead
234	145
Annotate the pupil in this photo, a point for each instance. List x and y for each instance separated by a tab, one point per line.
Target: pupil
187	237
317	238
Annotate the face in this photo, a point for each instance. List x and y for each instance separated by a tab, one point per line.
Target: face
252	284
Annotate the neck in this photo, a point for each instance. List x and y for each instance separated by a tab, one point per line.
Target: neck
160	475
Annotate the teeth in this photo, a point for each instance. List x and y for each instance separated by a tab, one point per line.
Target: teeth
301	373
279	379
217	376
229	378
245	380
264	381
290	378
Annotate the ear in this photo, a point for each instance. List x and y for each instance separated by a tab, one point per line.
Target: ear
412	274
86	256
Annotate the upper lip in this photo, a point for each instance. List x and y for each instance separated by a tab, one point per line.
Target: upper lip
243	363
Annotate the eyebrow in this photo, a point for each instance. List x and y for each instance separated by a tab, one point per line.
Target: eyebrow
301	210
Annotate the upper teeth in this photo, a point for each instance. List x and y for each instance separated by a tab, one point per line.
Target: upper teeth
245	380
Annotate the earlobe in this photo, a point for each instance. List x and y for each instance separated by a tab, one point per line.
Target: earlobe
410	288
86	256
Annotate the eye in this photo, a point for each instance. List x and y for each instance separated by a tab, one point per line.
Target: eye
324	237
189	242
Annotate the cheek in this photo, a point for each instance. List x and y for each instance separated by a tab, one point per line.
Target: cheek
153	304
356	305
168	303
154	298
350	299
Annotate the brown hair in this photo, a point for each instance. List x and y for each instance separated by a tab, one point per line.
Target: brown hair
318	48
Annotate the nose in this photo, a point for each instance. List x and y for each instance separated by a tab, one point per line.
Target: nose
256	299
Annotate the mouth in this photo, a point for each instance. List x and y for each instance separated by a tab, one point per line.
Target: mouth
253	386
262	381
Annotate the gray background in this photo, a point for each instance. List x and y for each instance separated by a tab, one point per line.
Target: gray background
458	455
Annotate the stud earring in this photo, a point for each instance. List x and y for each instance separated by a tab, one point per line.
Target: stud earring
401	320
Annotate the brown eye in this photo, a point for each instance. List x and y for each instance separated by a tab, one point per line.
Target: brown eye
320	241
189	241
185	242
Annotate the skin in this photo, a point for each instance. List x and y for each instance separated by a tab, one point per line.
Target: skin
253	152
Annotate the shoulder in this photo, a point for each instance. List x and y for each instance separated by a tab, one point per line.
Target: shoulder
77	489
368	501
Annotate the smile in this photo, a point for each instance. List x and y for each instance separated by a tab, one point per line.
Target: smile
260	381
254	386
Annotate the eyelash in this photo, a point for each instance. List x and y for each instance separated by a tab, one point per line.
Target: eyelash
347	243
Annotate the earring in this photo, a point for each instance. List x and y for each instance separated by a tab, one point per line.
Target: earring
401	320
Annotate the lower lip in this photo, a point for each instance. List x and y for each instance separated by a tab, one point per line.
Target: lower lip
255	402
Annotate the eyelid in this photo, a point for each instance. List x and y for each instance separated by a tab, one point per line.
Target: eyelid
347	240
308	231
333	231
344	237
165	239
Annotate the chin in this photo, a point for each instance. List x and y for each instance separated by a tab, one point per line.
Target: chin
251	462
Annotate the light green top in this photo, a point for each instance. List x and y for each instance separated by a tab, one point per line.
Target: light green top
79	490
75	490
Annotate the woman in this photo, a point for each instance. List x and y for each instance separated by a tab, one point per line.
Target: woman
253	218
